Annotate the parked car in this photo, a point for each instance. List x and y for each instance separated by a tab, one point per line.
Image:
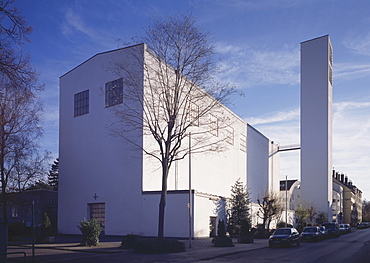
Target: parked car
362	225
285	236
342	229
324	232
311	233
332	229
348	228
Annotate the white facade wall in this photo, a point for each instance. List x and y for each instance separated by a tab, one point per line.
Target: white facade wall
96	167
93	163
263	165
316	123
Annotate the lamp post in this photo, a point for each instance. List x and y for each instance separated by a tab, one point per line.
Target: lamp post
286	201
190	195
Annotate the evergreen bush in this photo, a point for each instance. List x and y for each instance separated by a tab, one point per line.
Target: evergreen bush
90	230
222	240
130	241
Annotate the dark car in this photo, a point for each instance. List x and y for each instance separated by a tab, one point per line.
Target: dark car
348	228
285	236
324	232
362	225
342	229
311	233
332	229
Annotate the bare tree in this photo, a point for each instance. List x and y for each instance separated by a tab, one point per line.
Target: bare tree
14	63
19	132
366	210
311	210
269	208
165	100
29	169
301	217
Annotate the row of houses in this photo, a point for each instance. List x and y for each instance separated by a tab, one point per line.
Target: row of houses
347	200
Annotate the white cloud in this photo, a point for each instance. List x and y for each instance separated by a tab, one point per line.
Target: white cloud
73	22
350	70
351	143
275	117
246	66
358	44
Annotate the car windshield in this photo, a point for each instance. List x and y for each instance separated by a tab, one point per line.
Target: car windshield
310	229
282	232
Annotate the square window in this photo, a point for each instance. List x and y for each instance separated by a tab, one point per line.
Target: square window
81	103
114	92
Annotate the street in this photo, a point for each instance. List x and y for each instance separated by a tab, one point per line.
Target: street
352	247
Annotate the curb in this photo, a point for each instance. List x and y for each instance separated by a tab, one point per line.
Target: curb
231	253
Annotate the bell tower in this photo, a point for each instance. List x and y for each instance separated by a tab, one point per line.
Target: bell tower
316	123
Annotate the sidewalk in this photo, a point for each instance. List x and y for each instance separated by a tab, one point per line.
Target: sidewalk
201	249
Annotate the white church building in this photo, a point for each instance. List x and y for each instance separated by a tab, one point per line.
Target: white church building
102	176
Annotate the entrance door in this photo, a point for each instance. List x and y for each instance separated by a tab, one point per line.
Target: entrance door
97	212
213	226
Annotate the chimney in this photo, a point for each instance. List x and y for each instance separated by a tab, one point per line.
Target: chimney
346	180
337	176
342	178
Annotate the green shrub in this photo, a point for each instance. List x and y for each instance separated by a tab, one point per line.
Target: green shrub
90	230
159	246
222	242
130	241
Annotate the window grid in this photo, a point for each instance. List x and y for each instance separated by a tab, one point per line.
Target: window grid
230	135
213	126
81	103
97	212
114	92
243	143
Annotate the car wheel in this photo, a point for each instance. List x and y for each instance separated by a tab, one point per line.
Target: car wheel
298	243
271	245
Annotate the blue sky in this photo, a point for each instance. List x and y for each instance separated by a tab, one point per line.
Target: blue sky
258	44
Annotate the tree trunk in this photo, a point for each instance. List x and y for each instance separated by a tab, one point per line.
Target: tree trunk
162	203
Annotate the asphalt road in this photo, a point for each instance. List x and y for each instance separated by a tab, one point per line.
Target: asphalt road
350	248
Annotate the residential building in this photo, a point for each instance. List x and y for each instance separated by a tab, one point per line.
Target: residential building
350	200
40	201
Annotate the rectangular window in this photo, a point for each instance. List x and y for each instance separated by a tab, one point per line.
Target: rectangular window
97	212
213	125
14	211
81	103
230	135
114	92
243	143
193	114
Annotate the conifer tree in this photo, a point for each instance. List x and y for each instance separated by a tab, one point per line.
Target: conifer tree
240	202
53	176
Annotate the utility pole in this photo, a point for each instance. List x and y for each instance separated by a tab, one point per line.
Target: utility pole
286	201
190	195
